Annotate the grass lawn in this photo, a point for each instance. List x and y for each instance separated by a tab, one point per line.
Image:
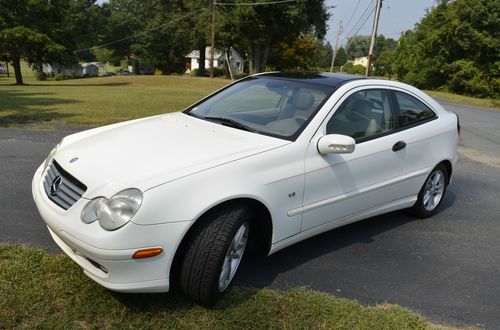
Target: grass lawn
38	290
486	103
97	101
105	100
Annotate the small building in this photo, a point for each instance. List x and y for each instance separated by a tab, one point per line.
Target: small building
70	70
361	61
90	69
236	61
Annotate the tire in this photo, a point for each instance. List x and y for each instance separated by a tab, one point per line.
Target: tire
211	250
432	193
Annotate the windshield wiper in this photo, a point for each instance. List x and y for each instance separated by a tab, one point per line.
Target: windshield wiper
231	123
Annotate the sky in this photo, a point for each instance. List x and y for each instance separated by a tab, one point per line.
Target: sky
396	16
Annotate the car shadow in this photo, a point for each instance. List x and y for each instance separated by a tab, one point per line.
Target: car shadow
260	272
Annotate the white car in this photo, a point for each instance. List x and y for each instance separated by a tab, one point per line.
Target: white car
269	160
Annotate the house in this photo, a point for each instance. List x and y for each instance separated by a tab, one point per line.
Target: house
70	70
142	68
90	69
361	61
235	59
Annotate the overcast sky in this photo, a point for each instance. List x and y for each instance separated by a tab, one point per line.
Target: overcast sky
396	16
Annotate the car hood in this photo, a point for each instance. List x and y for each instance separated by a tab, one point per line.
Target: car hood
149	152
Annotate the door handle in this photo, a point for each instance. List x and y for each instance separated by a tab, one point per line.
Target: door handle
398	146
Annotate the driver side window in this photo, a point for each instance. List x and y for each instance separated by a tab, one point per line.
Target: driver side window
362	115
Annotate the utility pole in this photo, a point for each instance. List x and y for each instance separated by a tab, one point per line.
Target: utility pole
212	41
339	32
374	36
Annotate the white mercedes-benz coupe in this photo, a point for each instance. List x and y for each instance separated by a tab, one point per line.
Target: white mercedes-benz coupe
268	161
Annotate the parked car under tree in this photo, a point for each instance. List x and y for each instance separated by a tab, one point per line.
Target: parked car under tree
266	162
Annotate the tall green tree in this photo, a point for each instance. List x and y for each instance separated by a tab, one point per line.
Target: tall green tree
455	46
30	30
357	46
258	29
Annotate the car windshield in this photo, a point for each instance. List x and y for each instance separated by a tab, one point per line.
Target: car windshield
266	105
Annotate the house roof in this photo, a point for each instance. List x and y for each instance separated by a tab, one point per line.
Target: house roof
96	64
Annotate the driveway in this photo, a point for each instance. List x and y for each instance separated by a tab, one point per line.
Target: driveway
446	267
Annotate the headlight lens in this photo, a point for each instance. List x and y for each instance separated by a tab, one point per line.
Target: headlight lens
115	212
51	155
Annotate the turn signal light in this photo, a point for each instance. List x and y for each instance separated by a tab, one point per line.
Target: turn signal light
147	253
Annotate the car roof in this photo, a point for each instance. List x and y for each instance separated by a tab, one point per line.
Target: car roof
323	78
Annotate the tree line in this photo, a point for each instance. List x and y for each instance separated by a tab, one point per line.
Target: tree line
161	32
455	47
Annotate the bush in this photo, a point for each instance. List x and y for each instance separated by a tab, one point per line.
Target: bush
40	75
218	72
466	79
61	76
240	76
354	69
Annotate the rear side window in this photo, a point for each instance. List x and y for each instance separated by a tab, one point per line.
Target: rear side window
411	110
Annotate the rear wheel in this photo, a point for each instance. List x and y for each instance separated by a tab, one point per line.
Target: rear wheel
213	254
432	193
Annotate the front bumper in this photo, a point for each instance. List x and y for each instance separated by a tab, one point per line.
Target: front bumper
106	256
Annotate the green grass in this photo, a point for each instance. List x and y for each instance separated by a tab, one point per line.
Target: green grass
105	100
97	101
474	101
38	290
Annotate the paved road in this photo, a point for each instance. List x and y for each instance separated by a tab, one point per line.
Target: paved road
447	267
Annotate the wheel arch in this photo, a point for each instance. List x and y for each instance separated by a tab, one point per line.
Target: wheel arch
449	169
261	232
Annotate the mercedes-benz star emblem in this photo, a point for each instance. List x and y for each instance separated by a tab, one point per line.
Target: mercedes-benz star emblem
54	187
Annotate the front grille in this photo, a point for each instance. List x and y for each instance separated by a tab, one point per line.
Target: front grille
61	187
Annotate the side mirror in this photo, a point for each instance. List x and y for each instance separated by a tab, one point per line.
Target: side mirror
336	144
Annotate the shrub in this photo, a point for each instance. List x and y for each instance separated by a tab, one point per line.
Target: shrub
61	76
354	69
465	78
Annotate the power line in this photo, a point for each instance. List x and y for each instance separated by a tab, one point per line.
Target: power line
352	15
253	3
137	34
359	25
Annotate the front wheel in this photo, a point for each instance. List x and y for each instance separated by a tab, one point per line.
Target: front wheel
432	192
214	254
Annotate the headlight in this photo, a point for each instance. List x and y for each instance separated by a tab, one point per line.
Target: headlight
51	155
115	212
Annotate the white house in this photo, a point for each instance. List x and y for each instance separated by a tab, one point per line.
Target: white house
235	59
72	71
361	61
90	69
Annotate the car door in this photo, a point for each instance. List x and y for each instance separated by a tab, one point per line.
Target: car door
338	186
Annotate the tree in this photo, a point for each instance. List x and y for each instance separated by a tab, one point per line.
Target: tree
297	55
29	30
258	29
103	55
455	46
357	46
341	57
